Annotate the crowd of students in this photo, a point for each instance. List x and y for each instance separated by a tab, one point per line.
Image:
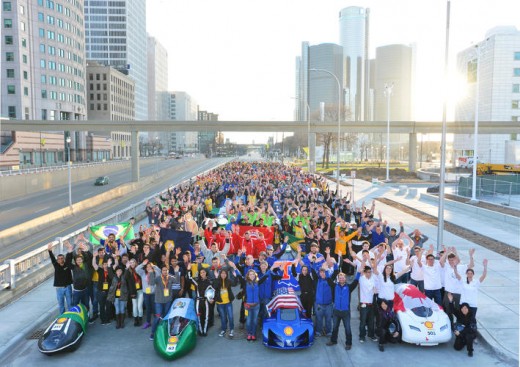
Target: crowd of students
251	225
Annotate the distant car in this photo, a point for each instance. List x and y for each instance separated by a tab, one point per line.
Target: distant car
102	180
422	321
287	327
433	189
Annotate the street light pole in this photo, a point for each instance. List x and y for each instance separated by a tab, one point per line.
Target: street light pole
474	199
339	117
68	140
388	93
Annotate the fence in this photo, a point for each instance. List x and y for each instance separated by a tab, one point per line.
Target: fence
14	270
497	187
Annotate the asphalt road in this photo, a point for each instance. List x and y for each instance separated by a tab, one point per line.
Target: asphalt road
48	201
106	346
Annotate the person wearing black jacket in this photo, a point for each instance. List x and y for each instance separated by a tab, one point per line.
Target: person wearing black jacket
201	283
307	280
465	328
81	274
105	275
62	279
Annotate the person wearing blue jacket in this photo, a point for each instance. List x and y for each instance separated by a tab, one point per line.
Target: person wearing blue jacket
323	304
265	283
251	300
341	309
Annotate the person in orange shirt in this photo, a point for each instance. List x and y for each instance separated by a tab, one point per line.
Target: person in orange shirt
342	240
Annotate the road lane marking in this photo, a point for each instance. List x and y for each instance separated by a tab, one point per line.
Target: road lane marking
41	210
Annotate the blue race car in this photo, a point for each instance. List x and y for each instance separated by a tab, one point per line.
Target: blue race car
287	327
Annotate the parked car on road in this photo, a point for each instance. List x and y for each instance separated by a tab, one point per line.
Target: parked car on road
102	180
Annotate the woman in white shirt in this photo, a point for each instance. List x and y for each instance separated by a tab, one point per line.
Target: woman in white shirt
385	283
469	293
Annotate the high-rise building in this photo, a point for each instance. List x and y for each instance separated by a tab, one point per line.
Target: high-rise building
498	61
116	36
394	66
183	108
207	139
314	87
158	107
111	96
354	35
42	68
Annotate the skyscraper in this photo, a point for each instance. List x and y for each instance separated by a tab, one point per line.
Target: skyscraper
354	32
43	67
116	35
183	108
499	94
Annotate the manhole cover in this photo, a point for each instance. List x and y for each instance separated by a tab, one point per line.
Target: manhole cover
36	334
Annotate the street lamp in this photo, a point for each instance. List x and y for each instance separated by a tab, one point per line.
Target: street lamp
69	163
388	93
339	116
475	134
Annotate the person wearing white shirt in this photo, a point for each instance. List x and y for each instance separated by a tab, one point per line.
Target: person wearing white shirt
401	253
469	291
366	297
417	275
432	271
451	284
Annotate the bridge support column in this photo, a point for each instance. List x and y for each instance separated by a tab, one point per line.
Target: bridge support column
412	152
312	152
135	156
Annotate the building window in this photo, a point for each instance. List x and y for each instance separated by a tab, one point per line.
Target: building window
514	105
516	88
43	79
9	56
25	91
8	23
42	63
24	59
8	40
12	112
514	118
22	26
517	56
24	42
41	17
22	9
6	6
10	73
25	75
11	89
516	72
42	48
41	32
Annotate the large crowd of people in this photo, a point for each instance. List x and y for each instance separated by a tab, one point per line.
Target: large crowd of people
251	224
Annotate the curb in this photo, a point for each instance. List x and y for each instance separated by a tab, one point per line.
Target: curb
487	340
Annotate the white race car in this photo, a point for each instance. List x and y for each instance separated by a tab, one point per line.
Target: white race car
422	321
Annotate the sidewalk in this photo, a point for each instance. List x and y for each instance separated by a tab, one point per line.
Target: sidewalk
498	304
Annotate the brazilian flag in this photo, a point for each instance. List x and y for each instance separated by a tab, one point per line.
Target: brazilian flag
293	241
77	313
103	231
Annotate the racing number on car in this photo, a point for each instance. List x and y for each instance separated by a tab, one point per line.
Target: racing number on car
431	332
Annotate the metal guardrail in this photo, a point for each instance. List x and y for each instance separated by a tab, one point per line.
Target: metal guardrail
14	270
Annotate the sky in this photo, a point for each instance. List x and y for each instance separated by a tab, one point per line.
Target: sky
237	58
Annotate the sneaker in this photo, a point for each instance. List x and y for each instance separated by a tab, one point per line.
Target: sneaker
317	335
222	333
331	343
253	338
248	337
231	334
381	348
373	338
91	320
151	337
361	340
348	347
470	353
146	325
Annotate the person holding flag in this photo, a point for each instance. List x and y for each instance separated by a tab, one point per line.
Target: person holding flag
111	243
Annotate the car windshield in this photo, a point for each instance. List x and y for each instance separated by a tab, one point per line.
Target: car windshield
177	325
422	311
288	314
100	178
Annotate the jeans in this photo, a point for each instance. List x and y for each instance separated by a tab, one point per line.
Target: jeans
64	294
252	318
161	309
366	319
149	305
80	297
435	295
120	306
92	292
226	314
418	283
105	307
337	317
137	304
323	318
